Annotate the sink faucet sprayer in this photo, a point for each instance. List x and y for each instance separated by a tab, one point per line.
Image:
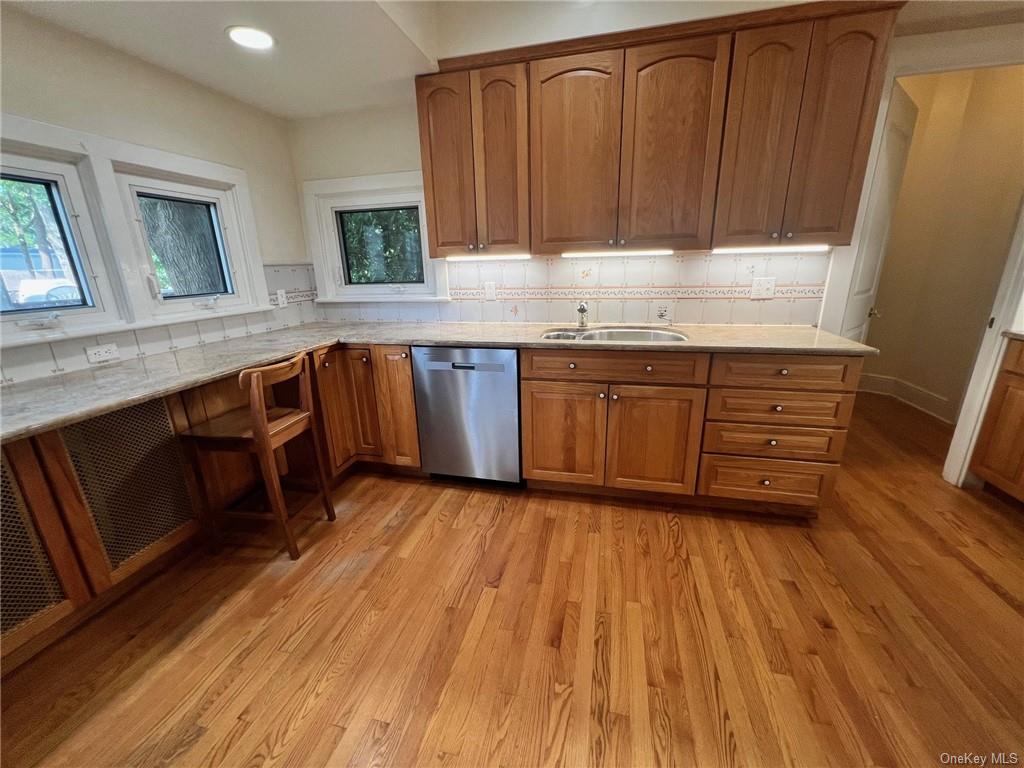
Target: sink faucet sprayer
582	309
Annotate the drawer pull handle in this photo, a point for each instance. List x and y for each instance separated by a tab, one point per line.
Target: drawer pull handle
773	443
405	355
572	365
601	395
615	397
778	409
784	372
648	368
766	482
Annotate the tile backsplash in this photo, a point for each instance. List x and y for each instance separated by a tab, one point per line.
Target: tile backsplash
38	360
682	288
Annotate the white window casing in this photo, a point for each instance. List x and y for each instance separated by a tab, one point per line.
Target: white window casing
323	199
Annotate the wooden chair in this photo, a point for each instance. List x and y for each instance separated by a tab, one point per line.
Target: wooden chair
260	430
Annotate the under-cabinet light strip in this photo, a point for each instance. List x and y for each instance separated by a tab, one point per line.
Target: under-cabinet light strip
491	257
592	254
774	249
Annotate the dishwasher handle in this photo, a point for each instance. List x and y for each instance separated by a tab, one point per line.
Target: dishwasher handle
464	366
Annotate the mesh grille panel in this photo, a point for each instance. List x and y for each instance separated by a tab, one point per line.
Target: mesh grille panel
130	470
28	584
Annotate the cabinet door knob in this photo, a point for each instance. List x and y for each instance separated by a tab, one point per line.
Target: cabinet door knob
784	372
778	408
611	242
405	355
622	242
365	360
471	246
648	368
766	482
326	364
773	443
572	365
789	234
774	235
615	397
481	246
600	395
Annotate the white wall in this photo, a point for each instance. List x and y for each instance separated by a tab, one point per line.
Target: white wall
951	233
58	77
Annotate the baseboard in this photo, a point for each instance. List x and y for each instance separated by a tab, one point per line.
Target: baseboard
929	402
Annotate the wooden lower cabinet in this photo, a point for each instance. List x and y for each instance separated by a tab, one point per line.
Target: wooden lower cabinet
396	404
654	438
40	577
563	431
999	453
358	373
804	483
335	412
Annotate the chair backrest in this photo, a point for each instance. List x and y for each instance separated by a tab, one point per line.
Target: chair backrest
257	379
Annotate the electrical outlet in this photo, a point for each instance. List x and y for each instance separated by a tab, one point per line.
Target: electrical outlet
490	291
282	297
661	312
102	353
762	288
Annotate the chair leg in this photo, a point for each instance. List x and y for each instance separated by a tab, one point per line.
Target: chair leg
194	477
271	481
321	475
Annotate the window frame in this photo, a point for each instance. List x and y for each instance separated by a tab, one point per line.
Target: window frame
325	199
100	314
183	308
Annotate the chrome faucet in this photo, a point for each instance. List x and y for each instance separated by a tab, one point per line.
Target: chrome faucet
582	309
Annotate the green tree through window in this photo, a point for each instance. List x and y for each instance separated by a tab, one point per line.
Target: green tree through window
381	245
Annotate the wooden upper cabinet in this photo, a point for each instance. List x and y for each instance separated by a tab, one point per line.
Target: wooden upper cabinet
760	133
396	405
845	73
446	153
673	109
575	130
501	158
654	438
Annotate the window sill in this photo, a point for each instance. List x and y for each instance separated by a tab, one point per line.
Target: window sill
50	336
386	300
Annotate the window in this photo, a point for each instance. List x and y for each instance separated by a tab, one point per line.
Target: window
184	243
381	245
367	239
39	264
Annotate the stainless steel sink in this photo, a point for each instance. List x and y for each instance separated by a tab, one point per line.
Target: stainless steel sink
638	333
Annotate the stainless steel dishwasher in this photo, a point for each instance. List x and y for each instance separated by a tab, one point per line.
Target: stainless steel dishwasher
467	409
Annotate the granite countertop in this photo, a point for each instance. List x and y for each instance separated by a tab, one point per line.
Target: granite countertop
39	405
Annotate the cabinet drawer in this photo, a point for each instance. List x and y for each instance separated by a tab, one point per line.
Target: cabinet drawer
777	442
773	480
617	367
813	409
833	374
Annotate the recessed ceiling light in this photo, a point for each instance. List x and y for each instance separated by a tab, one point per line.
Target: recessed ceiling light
250	37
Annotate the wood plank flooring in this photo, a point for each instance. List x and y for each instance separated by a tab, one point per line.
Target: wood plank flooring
444	624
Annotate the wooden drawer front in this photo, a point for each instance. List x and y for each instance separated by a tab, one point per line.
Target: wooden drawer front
617	367
1014	358
772	480
832	374
804	443
812	409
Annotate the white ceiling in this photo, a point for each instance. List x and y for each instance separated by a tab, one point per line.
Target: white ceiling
338	56
330	56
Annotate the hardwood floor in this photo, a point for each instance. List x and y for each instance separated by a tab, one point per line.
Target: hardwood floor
454	624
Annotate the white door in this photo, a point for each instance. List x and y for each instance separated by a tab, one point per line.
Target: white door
885	189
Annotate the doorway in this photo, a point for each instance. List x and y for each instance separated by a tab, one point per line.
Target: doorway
951	229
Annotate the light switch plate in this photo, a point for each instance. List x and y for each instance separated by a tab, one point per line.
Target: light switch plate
490	291
282	297
762	288
102	353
